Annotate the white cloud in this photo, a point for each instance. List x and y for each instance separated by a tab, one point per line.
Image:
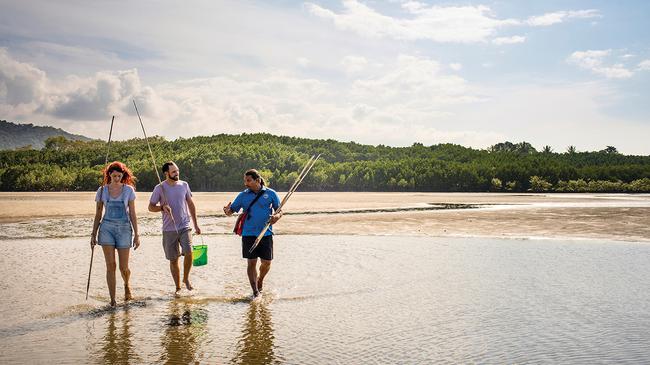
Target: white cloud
20	83
414	6
28	92
398	107
509	40
361	111
93	98
462	24
245	70
644	65
60	55
415	82
226	38
616	71
412	100
303	61
445	24
560	16
354	64
593	60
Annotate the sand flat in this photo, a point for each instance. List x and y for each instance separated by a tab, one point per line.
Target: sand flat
611	216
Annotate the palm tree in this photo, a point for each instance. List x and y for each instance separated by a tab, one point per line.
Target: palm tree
502	147
525	148
610	149
571	150
547	149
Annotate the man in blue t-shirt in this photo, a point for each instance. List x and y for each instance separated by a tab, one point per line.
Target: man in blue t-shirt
261	206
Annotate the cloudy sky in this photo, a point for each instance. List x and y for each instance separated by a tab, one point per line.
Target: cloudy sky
391	72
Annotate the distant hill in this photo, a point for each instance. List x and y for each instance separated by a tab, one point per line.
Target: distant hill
14	135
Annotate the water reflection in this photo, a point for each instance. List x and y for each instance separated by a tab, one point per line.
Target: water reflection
117	346
185	328
255	345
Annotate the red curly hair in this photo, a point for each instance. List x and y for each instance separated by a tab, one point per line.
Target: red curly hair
127	175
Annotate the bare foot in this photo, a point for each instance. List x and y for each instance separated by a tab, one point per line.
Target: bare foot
177	292
255	295
113	303
127	293
188	285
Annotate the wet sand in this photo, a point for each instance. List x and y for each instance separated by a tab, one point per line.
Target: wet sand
599	216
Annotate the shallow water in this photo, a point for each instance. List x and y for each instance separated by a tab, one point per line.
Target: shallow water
67	227
335	299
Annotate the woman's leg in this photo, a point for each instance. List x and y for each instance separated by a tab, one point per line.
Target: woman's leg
123	254
109	257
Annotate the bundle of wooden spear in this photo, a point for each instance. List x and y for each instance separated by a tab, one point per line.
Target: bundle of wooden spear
294	187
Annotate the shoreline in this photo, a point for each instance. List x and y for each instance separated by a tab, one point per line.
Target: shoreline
617	217
404	235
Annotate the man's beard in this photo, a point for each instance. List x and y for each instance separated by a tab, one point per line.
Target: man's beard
175	178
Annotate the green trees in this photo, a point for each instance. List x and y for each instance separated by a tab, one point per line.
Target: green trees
610	149
522	148
217	163
539	185
496	184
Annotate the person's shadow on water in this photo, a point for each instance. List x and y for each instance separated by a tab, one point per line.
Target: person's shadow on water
255	345
117	344
185	328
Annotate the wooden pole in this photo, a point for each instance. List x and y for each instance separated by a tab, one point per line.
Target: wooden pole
294	187
92	252
155	166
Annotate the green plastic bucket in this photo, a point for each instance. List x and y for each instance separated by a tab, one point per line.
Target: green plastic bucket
200	255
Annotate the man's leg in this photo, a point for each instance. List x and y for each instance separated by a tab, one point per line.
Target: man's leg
123	254
185	241
252	275
175	269
109	256
187	266
265	266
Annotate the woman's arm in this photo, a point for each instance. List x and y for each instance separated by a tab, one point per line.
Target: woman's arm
134	223
98	217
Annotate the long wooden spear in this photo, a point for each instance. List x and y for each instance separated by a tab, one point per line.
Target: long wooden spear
294	187
155	166
92	252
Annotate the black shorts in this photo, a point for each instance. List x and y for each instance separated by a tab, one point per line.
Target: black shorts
264	249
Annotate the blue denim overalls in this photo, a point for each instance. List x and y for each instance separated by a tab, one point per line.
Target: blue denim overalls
115	229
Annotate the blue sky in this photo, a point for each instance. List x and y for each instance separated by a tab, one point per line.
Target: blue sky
555	73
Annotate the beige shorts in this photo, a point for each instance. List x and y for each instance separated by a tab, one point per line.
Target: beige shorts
172	240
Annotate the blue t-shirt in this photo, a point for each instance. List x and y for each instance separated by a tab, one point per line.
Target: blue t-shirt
126	195
116	209
259	213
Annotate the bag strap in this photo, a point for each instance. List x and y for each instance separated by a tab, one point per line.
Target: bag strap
259	194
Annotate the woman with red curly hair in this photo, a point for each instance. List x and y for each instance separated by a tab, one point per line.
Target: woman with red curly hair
118	228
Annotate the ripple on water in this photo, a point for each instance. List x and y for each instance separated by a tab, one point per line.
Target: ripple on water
338	299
